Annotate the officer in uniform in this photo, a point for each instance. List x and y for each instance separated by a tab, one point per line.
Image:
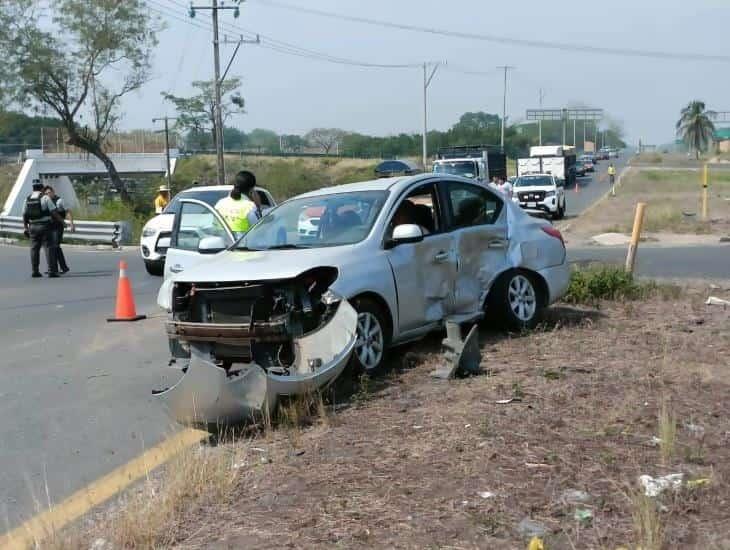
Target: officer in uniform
38	214
59	227
241	208
611	173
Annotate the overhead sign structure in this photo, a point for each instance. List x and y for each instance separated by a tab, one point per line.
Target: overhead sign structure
564	114
721	117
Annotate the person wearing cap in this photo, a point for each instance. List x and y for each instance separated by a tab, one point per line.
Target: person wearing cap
39	213
241	209
59	228
162	199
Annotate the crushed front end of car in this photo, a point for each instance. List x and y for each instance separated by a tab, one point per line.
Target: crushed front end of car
243	345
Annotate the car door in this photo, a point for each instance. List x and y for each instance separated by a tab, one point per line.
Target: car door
424	271
194	221
477	221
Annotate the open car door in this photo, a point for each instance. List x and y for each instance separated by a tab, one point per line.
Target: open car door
198	232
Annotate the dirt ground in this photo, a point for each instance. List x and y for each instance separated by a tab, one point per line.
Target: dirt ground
414	462
673	198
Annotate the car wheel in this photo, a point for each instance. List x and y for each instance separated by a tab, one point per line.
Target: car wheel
373	336
517	299
154	268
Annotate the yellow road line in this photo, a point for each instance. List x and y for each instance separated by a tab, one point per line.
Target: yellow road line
75	506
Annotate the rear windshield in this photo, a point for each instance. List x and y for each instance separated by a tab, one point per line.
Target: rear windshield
211	197
534	181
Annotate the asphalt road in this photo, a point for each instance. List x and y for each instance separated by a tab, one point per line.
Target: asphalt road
75	391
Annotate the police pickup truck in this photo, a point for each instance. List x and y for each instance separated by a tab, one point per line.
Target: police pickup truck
540	195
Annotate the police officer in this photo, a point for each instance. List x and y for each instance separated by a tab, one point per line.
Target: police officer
59	227
241	209
38	214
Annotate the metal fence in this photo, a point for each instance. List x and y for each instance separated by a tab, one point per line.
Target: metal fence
113	233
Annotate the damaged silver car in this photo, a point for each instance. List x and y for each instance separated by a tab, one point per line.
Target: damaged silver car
342	274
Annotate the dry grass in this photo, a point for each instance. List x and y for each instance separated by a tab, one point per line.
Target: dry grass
405	463
674	204
648	528
667	428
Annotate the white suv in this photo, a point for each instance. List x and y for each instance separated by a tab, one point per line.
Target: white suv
160	227
540	194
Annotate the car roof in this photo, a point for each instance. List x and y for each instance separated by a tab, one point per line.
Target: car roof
408	163
380	184
207	188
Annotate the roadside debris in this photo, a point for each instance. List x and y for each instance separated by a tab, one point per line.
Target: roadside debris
695	483
531	528
573	496
715	301
462	355
487	494
583	516
508	401
655	486
536	544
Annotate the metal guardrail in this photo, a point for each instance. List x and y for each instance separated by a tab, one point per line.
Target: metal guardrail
113	233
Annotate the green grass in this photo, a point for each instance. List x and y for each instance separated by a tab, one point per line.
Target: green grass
601	282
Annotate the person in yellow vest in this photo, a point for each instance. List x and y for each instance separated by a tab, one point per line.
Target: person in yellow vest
240	209
162	199
611	173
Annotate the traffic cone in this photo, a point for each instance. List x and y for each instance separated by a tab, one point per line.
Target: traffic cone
577	189
125	310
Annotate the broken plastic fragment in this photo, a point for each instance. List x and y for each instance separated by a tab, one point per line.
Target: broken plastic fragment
654	486
715	301
536	544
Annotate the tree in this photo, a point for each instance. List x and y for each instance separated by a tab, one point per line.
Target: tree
264	140
77	59
695	127
326	138
197	113
19	131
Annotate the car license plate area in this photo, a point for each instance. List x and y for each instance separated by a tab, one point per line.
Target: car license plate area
531	204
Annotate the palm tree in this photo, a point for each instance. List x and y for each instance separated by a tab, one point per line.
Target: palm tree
695	127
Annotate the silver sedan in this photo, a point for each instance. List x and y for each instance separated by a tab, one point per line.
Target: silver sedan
342	274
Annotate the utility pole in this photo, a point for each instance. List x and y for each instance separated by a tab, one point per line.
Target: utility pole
585	122
504	101
426	81
565	124
574	137
167	146
539	122
214	7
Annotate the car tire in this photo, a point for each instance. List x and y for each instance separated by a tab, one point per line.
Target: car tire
517	300
154	268
373	336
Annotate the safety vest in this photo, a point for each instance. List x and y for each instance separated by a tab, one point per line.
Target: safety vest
236	212
34	210
611	171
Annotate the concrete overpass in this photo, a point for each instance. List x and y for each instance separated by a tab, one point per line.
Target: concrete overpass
57	169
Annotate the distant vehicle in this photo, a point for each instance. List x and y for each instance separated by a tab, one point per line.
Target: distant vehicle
540	194
556	160
613	154
390	168
580	169
155	233
477	162
588	163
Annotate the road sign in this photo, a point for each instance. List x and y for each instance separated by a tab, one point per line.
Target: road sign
565	114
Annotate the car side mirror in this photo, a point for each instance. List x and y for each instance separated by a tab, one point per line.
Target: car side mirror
406	233
211	245
163	242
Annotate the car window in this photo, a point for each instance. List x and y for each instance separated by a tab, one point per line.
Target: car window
196	223
208	196
418	207
471	205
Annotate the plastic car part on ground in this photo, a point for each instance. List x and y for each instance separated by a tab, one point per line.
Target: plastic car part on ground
655	486
207	394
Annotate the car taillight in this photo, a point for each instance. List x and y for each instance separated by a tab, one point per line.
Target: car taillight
550	230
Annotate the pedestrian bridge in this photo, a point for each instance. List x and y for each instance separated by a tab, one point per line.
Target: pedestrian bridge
57	169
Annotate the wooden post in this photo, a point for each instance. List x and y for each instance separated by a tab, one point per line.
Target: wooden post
635	236
704	193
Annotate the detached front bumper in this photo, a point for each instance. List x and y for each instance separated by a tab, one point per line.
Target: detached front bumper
207	394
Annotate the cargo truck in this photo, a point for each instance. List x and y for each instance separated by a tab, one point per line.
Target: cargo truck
479	162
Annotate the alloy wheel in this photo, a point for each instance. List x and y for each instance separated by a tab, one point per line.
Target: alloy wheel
370	340
522	298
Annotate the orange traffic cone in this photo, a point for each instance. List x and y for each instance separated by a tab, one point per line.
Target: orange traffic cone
125	310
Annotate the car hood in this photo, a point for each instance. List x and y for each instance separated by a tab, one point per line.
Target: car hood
533	188
161	222
241	265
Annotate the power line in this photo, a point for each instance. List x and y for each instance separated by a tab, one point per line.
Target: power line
563	46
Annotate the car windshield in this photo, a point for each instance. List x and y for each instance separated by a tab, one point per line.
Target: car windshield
466	168
534	181
315	222
208	196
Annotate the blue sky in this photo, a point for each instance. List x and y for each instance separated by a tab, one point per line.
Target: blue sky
292	94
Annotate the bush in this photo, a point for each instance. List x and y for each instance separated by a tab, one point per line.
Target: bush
600	282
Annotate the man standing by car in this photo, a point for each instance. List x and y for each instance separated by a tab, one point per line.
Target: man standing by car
38	214
241	209
59	227
162	199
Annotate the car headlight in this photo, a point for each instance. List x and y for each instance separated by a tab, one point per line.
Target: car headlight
148	232
550	193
